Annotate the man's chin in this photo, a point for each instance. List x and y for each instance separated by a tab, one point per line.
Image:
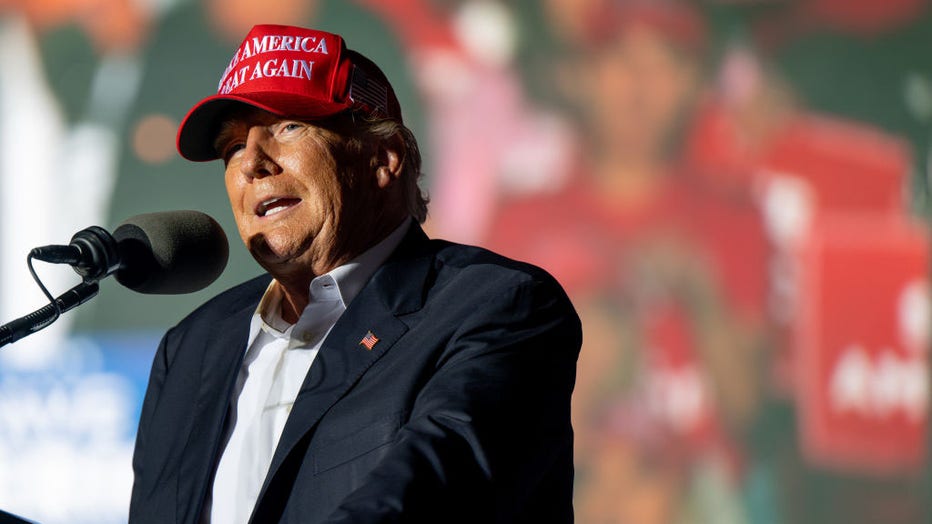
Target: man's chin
274	257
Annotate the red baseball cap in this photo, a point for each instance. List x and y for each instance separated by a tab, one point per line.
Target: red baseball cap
292	72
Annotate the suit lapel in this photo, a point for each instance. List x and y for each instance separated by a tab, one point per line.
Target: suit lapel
223	357
394	290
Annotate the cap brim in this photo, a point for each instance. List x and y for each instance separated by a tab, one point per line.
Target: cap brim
199	127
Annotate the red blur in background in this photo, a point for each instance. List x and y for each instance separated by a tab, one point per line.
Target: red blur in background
734	194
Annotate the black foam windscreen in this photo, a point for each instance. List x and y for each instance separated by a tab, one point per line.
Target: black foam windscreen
171	252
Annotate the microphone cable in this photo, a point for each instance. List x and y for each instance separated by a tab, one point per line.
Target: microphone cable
55	305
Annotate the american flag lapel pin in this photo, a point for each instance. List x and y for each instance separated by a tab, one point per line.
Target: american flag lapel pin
369	341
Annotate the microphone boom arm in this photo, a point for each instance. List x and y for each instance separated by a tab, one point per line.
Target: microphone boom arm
43	317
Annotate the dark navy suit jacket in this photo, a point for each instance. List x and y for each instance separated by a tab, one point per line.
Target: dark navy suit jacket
459	413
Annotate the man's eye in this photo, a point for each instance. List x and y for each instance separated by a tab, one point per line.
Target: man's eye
291	126
230	150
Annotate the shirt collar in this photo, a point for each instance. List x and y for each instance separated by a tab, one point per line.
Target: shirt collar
342	283
352	277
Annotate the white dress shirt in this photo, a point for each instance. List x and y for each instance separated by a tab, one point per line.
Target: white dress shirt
278	357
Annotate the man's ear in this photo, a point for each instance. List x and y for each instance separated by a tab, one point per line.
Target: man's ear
390	159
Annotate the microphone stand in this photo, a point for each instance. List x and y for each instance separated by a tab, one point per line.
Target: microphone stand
41	318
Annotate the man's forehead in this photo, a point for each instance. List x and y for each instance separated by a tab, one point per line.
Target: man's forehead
247	114
250	115
241	117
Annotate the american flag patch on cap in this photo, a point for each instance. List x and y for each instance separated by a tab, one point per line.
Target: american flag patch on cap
368	92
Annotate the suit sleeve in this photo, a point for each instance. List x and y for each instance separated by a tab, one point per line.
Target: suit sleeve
489	438
153	392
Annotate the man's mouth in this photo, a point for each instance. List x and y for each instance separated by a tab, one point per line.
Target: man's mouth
275	205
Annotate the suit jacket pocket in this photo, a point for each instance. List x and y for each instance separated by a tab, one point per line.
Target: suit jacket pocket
374	435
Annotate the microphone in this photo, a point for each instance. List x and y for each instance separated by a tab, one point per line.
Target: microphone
171	252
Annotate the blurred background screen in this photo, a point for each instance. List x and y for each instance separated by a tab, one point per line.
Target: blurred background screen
733	192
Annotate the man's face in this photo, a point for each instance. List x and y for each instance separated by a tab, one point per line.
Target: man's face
287	188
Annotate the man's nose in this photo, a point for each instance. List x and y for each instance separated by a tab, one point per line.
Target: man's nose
256	161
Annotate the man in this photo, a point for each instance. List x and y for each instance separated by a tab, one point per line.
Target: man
373	375
180	69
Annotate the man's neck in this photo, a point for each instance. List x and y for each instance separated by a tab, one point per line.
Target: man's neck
296	286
